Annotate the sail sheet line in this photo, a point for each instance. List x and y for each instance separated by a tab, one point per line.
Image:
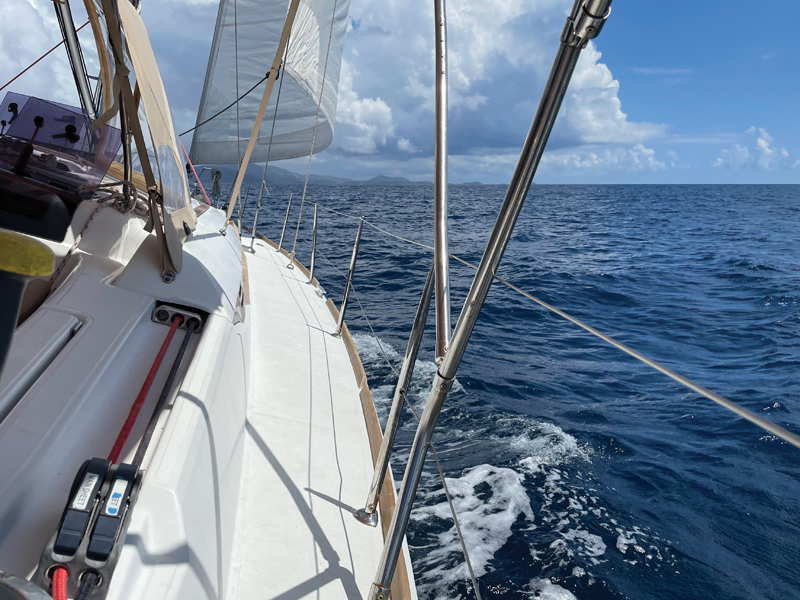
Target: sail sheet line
212	117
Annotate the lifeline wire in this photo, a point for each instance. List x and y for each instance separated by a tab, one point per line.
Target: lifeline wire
769	426
450	504
413	412
761	422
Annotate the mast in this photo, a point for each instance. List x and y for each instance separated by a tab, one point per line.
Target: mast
72	44
442	257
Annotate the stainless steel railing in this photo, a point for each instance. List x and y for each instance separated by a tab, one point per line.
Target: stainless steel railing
313	245
255	218
285	222
350	273
369	514
580	27
585	22
441	253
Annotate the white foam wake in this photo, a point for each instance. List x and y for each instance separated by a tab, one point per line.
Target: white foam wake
541	444
374	352
370	350
547	590
486	518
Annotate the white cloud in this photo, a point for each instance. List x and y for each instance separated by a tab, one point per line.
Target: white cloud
764	155
406	145
370	118
737	156
479	31
509	43
673	158
660	71
635	159
769	157
594	110
28	30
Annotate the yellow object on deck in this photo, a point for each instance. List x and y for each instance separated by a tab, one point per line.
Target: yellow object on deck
23	255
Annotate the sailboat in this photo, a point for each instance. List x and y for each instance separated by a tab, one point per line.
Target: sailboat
183	412
179	418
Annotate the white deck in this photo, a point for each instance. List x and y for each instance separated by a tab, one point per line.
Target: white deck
307	461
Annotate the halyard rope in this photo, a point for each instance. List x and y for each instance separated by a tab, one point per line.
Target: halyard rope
59	583
136	407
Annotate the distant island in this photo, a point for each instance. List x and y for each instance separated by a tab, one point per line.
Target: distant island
278	176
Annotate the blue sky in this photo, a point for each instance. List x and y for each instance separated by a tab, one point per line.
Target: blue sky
672	92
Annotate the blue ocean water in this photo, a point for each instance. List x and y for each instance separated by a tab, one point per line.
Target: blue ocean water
576	471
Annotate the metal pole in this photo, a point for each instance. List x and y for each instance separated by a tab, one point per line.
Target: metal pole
127	156
73	46
313	246
442	256
349	277
581	26
368	515
285	221
255	219
242	206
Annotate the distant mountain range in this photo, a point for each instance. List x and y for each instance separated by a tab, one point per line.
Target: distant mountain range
278	176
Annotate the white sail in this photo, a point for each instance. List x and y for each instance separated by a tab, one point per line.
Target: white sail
245	41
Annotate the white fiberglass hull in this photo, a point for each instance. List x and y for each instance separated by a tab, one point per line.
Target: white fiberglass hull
265	445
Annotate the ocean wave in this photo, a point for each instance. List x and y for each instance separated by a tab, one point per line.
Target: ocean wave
486	517
547	590
372	349
369	349
546	444
571	510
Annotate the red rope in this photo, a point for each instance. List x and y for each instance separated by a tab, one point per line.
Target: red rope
116	451
60	575
195	174
34	63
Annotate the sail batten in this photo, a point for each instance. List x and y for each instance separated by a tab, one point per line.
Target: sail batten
256	33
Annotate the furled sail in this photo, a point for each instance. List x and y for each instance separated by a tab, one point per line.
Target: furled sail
245	41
